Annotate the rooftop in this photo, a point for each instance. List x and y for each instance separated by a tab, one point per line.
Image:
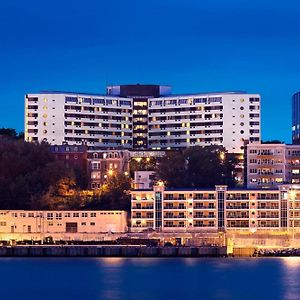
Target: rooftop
167	96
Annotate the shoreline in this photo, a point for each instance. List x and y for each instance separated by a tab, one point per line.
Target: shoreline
140	251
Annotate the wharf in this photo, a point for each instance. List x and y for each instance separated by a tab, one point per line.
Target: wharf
110	251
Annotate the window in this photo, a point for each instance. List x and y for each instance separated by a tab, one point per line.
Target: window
93	215
58	216
92	223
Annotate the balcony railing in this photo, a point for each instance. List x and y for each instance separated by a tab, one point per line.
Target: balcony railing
237	207
175	207
174	217
142	207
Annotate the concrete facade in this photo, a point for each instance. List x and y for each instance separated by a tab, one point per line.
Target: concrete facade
143	117
60	224
270	165
216	210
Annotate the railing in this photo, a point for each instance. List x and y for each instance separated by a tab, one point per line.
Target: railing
237	217
204	207
204	217
143	207
267	207
171	225
175	207
237	207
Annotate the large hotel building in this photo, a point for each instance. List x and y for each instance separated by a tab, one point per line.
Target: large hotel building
219	209
143	117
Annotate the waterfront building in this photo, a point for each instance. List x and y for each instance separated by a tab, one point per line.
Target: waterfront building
296	118
22	224
143	117
105	163
269	165
216	210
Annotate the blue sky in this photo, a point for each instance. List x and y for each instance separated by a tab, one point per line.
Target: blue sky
195	46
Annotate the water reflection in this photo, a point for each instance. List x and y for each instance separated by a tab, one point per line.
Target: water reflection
291	278
111	278
111	261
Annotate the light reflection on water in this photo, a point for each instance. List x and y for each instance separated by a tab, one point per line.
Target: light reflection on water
150	278
291	278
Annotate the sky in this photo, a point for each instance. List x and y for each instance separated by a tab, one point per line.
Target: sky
194	46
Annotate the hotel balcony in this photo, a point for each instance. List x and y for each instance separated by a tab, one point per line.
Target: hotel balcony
174	207
142	208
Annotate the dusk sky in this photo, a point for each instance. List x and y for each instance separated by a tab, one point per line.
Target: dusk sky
195	46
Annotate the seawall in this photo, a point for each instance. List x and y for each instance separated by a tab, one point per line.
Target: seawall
111	251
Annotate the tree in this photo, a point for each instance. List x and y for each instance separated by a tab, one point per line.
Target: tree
197	167
11	133
112	195
142	164
27	171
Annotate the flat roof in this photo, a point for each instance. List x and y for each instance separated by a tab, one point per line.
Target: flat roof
208	190
162	96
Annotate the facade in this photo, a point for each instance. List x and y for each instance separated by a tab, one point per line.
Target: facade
102	164
143	180
216	210
143	117
72	156
269	165
296	118
225	119
61	224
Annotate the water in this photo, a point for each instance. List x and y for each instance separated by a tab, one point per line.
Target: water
150	278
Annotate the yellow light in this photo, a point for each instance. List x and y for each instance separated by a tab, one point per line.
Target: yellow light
293	194
160	183
222	155
148	159
110	172
126	173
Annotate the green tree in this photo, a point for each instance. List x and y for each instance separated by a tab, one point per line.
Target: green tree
197	167
27	171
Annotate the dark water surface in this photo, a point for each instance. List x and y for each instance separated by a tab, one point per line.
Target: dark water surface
150	278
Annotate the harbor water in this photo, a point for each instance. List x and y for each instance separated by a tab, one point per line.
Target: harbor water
150	278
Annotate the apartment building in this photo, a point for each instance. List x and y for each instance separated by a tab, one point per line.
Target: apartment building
225	119
269	165
71	155
59	117
143	117
18	224
102	164
215	210
296	118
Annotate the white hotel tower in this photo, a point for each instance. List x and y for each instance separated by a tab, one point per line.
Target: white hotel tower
143	117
